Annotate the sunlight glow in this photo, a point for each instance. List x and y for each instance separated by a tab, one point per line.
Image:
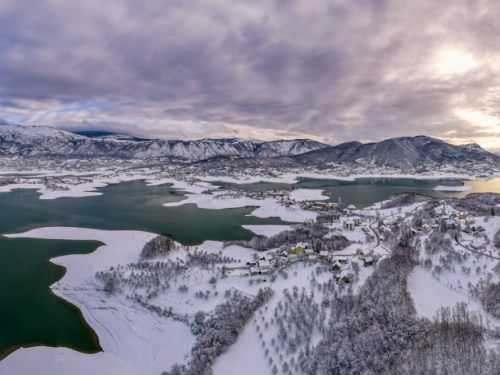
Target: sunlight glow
451	61
478	118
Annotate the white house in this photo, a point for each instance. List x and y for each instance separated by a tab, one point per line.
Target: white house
349	224
368	261
342	259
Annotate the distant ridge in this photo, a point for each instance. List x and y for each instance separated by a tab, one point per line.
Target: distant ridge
403	152
49	142
399	153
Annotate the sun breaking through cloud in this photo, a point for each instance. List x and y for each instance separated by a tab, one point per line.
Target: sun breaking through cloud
326	70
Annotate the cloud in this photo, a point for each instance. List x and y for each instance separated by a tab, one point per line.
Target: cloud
335	70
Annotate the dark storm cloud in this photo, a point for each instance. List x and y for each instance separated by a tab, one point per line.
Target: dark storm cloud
336	70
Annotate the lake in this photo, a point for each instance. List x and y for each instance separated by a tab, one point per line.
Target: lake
30	314
364	192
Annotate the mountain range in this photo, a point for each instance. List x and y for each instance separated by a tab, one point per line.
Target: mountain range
39	141
399	153
403	152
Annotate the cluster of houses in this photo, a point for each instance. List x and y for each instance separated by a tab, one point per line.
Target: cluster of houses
351	222
453	218
340	264
322	206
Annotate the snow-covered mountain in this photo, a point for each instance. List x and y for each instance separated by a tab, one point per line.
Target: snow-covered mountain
399	152
42	141
47	141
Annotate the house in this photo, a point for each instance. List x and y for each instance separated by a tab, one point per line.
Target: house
336	267
312	258
299	247
463	215
320	204
268	257
323	254
426	228
342	277
254	271
357	220
309	252
263	264
450	224
252	264
470	220
332	205
342	259
368	261
362	255
349	224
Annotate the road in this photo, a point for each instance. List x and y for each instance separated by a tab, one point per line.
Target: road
474	251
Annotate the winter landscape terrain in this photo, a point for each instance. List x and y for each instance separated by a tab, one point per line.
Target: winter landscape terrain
407	285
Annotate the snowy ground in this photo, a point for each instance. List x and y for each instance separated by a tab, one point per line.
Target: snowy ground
430	295
269	207
133	339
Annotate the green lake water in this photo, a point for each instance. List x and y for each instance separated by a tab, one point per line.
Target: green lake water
30	314
366	191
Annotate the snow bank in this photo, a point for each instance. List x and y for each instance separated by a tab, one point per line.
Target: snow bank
134	340
267	230
307	194
453	188
268	207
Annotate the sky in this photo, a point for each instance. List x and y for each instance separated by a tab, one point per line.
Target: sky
332	71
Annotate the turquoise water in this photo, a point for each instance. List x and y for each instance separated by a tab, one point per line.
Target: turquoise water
30	314
366	191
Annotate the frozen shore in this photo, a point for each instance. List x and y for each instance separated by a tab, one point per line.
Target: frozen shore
269	207
292	178
453	188
134	340
101	180
89	189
